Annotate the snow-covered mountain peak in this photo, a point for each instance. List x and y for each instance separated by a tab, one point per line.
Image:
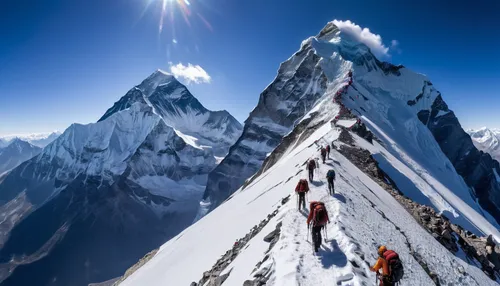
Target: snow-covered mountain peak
19	144
181	110
16	152
157	78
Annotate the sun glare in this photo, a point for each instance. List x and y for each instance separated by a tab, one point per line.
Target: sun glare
172	11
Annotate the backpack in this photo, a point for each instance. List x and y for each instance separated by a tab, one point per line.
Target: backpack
302	186
330	174
319	213
395	265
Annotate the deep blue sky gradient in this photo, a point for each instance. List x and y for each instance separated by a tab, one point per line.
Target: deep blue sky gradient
68	61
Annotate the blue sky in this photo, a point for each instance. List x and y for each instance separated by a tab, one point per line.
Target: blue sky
68	61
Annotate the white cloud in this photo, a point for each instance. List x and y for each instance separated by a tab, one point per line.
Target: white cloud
365	36
191	73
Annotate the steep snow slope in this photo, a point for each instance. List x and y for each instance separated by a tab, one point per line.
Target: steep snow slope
487	140
109	192
391	103
16	152
363	216
38	139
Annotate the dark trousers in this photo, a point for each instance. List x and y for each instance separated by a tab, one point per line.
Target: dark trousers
331	186
311	174
316	237
302	200
328	154
324	158
384	281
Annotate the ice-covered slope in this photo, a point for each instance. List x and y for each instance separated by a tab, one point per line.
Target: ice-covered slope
109	192
363	216
170	99
38	139
16	152
487	140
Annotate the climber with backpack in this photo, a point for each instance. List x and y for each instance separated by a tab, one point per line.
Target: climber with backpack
301	190
323	154
392	268
316	221
311	165
330	177
327	151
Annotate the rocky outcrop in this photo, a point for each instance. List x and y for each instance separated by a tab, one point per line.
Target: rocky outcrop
476	168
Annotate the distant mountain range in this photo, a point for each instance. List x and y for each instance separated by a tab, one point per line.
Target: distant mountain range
38	139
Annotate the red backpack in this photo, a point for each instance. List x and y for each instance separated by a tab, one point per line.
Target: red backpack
302	186
319	214
395	265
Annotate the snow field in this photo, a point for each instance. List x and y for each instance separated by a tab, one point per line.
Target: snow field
362	215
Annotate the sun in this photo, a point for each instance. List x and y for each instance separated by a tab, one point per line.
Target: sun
173	11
